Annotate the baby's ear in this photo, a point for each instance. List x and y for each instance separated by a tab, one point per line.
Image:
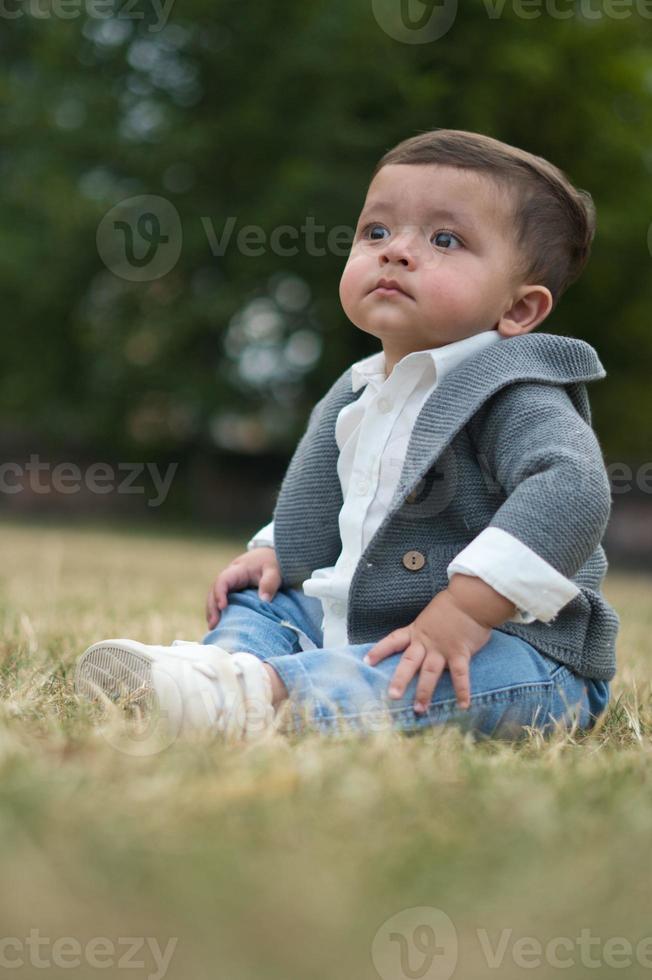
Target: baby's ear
531	306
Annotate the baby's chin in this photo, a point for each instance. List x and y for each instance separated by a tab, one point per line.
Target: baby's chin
381	327
389	322
417	337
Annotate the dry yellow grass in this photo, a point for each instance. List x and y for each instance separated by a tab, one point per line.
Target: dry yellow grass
285	859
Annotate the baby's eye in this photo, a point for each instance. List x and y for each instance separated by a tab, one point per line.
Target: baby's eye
370	230
446	235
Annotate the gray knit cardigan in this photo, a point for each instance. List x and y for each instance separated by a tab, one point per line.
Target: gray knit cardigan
505	440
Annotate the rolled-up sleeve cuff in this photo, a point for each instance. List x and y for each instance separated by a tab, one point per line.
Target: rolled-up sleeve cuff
263	538
537	589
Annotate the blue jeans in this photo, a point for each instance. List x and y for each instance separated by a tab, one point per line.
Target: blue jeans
512	684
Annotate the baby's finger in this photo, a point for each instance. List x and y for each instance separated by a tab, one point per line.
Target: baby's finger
392	643
409	664
429	676
268	585
230	580
212	615
217	598
459	670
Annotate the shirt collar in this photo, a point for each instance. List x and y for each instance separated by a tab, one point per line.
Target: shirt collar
372	369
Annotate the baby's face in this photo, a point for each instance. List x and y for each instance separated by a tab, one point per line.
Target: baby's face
444	236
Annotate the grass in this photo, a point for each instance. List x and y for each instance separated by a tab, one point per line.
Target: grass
290	860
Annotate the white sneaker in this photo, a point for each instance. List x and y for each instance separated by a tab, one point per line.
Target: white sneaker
192	685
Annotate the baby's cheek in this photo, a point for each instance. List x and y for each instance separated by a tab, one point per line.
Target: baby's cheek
352	282
447	303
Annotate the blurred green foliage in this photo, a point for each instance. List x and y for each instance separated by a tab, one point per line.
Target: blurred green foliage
274	114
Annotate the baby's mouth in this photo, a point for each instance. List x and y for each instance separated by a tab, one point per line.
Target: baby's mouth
390	287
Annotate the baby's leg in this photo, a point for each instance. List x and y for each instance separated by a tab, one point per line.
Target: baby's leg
289	623
512	683
512	686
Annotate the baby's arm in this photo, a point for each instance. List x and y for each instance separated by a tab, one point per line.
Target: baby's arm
549	464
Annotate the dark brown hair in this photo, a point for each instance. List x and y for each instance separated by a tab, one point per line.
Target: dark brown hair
554	222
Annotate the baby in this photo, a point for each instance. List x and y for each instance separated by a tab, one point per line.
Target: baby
435	554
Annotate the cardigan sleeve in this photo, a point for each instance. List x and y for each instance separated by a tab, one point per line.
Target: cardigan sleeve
547	461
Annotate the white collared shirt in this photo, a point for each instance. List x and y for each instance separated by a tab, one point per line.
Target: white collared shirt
372	434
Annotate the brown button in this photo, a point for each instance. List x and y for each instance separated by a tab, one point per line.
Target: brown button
413	497
413	560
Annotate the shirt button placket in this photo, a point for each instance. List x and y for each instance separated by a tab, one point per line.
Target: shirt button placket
384	405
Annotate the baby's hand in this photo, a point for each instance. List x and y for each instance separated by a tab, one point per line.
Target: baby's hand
444	635
256	567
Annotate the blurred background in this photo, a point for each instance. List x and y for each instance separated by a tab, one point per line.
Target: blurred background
179	187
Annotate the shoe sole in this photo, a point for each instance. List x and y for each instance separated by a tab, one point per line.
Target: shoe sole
118	670
121	671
